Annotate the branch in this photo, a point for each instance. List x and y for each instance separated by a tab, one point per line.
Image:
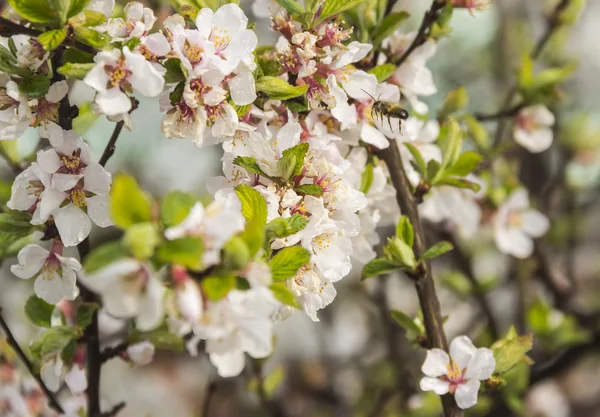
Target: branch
113	411
502	114
211	388
430	305
424	30
112	143
52	401
8	28
114	351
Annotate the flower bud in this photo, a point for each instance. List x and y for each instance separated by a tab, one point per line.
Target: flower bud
400	253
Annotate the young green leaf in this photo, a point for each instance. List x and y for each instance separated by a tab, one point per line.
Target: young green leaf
51	39
334	7
459	183
287	262
436	250
38	311
141	239
91	37
294	157
283	227
291	6
35	87
309	189
278	89
419	161
186	251
456	100
60	9
75	70
53	341
511	351
366	179
85	314
161	339
378	266
254	205
249	164
383	72
216	287
388	25
103	256
36	11
404	231
465	164
284	294
129	204
174	72
175	207
405	321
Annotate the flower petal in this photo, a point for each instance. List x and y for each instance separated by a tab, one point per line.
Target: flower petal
96	179
534	223
466	394
436	363
76	379
482	365
228	364
434	384
151	306
73	225
31	259
49	287
113	102
99	210
462	350
243	89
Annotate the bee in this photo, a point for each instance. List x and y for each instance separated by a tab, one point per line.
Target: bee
388	109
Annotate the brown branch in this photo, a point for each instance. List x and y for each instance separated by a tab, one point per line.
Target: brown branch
424	30
8	28
506	113
52	401
112	142
113	411
424	284
113	352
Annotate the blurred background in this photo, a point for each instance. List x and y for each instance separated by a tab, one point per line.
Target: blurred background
357	361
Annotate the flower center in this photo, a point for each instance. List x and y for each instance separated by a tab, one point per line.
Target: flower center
199	88
50	268
220	39
192	52
117	73
71	162
45	111
35	188
455	376
7	101
212	114
77	196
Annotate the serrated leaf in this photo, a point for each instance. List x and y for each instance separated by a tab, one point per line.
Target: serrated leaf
405	321
85	314
36	11
175	207
511	351
254	205
35	87
128	203
216	287
465	164
418	158
283	227
176	95
249	164
383	72
436	250
388	25
284	294
186	251
91	37
77	6
38	311
334	7
378	266
75	70
52	39
294	158
286	263
278	89
174	72
404	230
309	189
459	183
103	255
53	341
291	6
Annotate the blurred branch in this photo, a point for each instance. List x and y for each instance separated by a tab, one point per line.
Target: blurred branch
112	142
52	401
507	113
113	411
114	351
424	284
210	390
428	20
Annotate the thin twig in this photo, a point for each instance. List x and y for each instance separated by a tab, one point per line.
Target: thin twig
113	411
424	284
209	392
507	113
113	352
109	150
8	28
424	30
52	401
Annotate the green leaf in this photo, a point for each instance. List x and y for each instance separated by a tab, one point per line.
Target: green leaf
309	189
451	144
75	70
12	47
254	205
53	341
161	339
75	56
8	63
292	160
459	183
35	87
436	250
405	321
186	251
52	39
552	76
477	132
141	239
296	107
174	72
104	255
455	100
278	89
291	6
236	254
465	164
38	311
93	18
284	294
175	207
91	37
511	351
286	262
388	25
366	179
77	7
383	72
433	168
334	7
14	226
36	11
60	9
85	119
378	266
404	230
249	164
216	287
283	227
129	204
85	314
254	236
419	161
397	251
176	95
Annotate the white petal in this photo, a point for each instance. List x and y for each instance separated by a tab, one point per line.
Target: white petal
144	77
49	287
434	384
373	136
70	291
228	364
466	394
151	306
51	372
64	182
482	365
242	89
141	353
535	141
98	209
49	161
436	363
360	83
96	179
76	379
53	133
57	91
113	102
73	225
462	350
534	223
31	259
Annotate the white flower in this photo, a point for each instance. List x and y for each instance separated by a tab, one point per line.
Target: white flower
216	224
460	373
137	23
103	6
46	113
69	164
116	71
56	277
515	225
129	289
533	128
15	113
457	206
264	9
313	293
32	190
51	372
76	379
141	353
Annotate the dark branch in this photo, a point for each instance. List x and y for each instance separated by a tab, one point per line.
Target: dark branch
53	402
113	352
112	142
503	114
8	28
113	411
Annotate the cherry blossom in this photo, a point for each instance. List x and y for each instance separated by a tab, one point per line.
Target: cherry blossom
533	128
15	112
141	353
460	373
137	23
